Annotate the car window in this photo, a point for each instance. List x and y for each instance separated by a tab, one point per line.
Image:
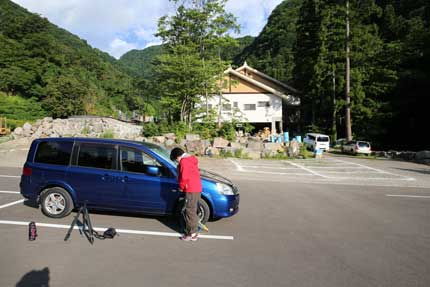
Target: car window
97	155
54	152
363	144
134	160
323	139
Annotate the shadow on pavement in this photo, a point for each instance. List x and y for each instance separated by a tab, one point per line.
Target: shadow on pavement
423	171
35	278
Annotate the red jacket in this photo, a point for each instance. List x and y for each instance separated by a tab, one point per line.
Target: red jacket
189	174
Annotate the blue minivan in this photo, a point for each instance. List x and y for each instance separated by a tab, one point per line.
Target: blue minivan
61	174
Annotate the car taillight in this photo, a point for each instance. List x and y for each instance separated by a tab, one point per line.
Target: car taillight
27	171
357	146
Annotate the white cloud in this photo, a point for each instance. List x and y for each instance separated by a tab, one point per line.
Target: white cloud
117	25
118	47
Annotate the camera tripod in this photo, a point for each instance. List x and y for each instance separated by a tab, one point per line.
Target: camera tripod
84	226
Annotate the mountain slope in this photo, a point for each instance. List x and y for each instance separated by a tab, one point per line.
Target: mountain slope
138	63
272	51
67	76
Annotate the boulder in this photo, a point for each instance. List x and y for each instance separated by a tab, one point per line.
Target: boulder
159	139
47	119
273	146
237	145
251	153
170	136
192	137
293	149
425	154
18	131
220	143
169	143
26	127
196	147
255	145
242	140
212	151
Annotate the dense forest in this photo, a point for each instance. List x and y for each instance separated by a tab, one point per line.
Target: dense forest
45	70
303	44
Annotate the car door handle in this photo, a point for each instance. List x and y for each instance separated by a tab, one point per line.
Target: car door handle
124	179
174	190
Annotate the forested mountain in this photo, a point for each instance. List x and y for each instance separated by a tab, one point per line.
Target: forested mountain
139	63
303	44
43	64
272	50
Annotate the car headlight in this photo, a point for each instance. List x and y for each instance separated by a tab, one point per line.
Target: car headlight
224	188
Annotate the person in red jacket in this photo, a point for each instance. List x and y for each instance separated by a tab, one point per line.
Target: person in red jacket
191	184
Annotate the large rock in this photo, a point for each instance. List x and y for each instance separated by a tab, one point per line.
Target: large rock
237	145
273	146
169	143
425	154
196	147
192	137
212	151
18	131
251	153
170	136
26	127
220	143
159	139
255	145
293	149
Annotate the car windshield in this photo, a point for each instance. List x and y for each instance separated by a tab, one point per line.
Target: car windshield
162	152
363	144
323	139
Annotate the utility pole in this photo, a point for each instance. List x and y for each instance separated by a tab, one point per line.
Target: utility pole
348	78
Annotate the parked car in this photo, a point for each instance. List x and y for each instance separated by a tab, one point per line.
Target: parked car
357	147
317	141
118	175
339	143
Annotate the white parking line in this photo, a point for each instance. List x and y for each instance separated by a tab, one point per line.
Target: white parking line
377	170
410	196
306	169
238	166
12	203
120	231
10	192
12	176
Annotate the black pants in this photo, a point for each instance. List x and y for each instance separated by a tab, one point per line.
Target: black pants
190	215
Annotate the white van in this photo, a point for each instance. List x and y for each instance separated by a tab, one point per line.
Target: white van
317	141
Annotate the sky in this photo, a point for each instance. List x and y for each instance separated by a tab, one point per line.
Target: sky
118	26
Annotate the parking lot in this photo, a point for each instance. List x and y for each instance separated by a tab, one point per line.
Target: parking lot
338	221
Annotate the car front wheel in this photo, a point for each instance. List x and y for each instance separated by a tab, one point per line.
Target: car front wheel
203	211
56	202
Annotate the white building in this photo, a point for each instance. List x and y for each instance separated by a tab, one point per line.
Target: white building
251	96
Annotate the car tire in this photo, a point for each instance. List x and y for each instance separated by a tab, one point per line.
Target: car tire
56	202
203	211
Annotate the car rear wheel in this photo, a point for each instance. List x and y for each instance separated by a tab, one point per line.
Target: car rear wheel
56	202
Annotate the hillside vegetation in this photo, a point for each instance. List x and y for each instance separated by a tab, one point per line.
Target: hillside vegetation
41	63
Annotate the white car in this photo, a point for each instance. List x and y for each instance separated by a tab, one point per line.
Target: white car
317	141
357	147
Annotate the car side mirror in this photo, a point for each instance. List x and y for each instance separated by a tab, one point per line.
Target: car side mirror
153	170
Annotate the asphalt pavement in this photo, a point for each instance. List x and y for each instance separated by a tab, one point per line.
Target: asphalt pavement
335	222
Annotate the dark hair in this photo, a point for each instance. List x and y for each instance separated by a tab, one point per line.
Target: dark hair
175	153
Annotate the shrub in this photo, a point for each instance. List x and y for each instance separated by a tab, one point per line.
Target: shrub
227	131
150	129
108	134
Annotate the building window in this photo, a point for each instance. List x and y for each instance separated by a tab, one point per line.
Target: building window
235	105
249	107
226	107
209	106
263	104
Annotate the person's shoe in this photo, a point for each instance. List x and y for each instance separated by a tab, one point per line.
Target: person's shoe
194	237
186	237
